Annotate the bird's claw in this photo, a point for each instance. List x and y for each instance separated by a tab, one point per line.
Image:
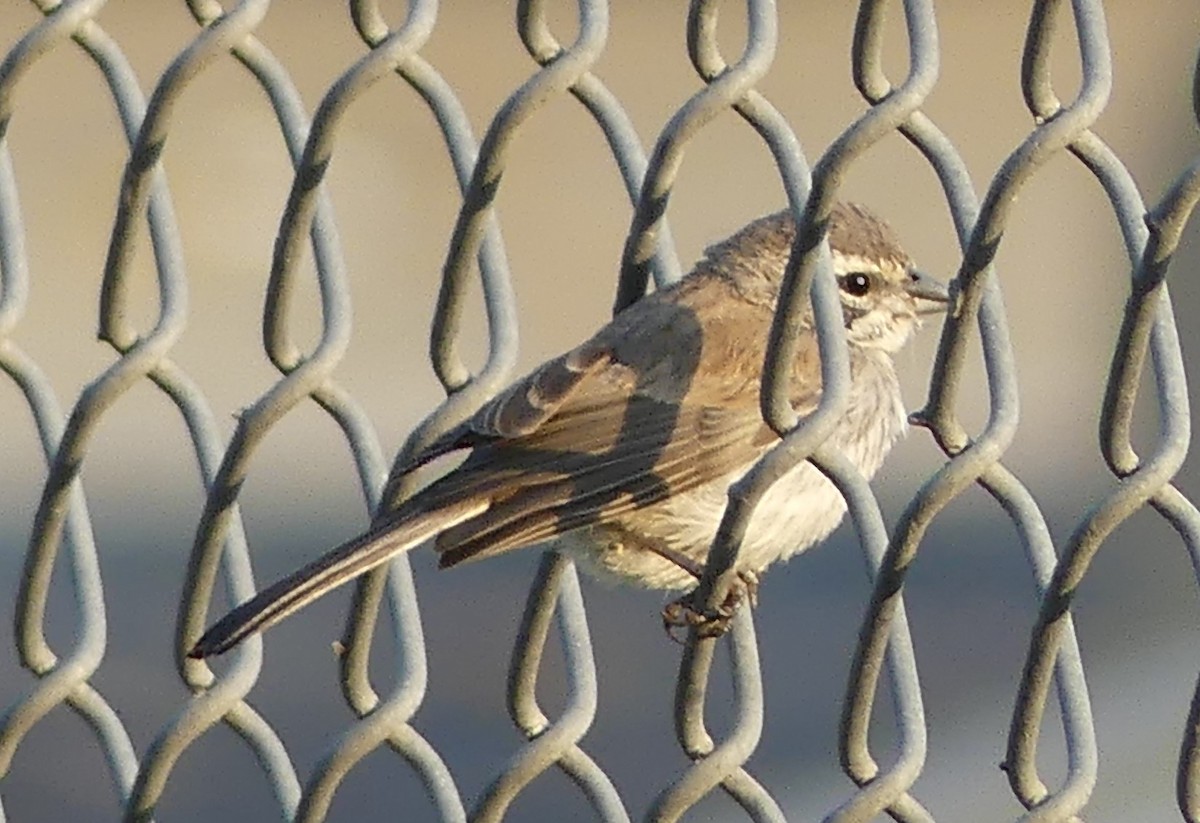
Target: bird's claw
686	613
682	614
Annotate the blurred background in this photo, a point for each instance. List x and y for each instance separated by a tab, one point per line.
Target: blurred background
564	215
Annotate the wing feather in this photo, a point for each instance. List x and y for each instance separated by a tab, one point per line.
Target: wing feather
620	423
665	450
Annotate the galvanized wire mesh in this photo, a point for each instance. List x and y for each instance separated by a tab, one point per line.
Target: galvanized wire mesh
884	775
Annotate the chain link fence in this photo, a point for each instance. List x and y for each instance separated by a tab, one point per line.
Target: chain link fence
61	591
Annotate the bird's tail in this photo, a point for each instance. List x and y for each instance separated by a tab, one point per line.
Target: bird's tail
358	556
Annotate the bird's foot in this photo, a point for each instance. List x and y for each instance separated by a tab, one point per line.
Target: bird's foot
686	613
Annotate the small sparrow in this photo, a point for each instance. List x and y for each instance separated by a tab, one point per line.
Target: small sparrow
624	447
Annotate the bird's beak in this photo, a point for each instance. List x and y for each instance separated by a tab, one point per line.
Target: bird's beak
931	294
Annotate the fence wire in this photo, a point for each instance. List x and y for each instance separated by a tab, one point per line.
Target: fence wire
884	774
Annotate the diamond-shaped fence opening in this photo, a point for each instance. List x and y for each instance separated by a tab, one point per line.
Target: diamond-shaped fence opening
308	235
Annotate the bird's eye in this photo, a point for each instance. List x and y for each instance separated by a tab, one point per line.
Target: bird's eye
856	283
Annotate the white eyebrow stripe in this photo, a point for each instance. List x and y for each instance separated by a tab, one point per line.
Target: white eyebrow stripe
853	262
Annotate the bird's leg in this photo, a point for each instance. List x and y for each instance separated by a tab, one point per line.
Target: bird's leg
689	564
686	612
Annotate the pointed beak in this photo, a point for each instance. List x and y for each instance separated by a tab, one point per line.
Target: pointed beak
931	294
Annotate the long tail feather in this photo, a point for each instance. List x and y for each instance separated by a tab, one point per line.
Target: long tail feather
339	566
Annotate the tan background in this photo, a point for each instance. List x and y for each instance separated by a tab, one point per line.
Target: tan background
564	215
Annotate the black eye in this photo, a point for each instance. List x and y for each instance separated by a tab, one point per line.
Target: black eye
856	283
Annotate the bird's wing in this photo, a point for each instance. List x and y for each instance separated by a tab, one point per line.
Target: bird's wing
635	452
621	423
521	408
658	348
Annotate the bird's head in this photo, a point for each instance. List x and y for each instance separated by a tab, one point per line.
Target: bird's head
883	294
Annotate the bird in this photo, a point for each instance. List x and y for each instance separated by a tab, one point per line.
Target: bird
623	449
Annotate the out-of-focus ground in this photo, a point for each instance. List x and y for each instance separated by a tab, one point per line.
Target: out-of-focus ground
564	214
